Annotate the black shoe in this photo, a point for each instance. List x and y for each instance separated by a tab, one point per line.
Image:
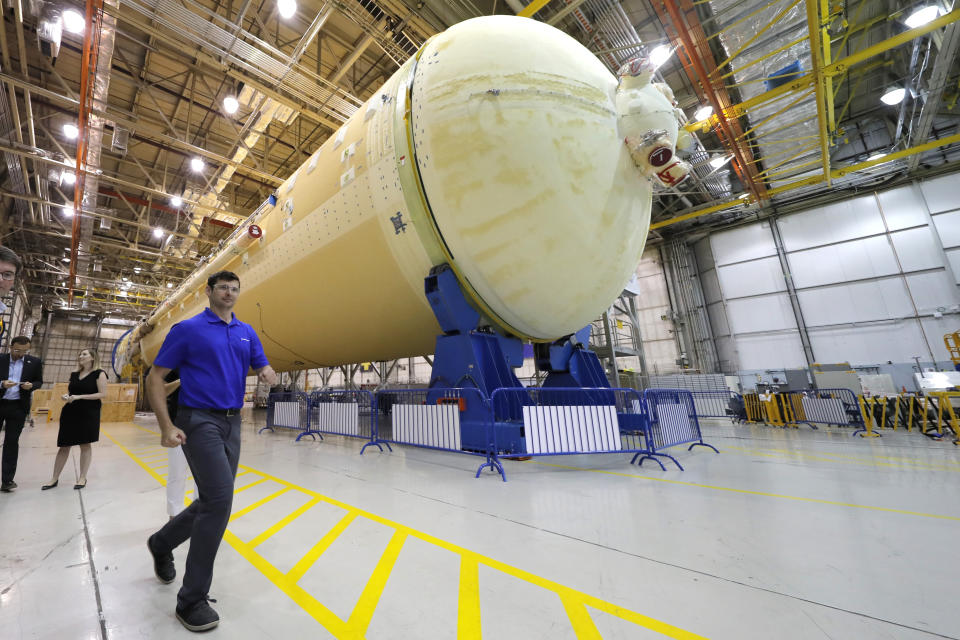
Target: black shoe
50	486
7	487
199	616
162	563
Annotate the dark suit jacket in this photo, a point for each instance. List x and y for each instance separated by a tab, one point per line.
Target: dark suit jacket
32	372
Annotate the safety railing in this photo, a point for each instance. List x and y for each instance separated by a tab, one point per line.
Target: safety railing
287	410
535	421
671	421
718	404
457	420
350	413
932	414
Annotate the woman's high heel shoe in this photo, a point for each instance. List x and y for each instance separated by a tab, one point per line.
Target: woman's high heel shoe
49	486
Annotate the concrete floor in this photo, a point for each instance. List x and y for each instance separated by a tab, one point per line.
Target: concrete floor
785	534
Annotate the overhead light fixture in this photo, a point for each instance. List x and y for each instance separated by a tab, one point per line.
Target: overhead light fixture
922	16
660	55
893	96
70	130
176	201
123	294
68	178
169	285
64	259
137	269
286	8
68	211
718	161
158	233
125	279
74	21
876	156
230	105
703	113
196	164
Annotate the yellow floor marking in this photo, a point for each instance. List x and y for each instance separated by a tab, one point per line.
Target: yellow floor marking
894	461
322	545
363	611
260	539
754	493
340	629
800	455
248	485
468	609
581	621
258	503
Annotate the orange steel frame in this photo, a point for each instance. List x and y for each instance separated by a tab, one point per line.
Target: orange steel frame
679	18
88	70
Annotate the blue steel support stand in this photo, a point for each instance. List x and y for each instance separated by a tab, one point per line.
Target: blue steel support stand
467	357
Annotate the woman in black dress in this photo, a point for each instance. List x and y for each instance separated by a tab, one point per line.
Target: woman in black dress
80	417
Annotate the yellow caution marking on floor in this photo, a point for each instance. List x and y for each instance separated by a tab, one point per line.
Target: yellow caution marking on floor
750	492
258	503
249	485
574	602
468	607
362	613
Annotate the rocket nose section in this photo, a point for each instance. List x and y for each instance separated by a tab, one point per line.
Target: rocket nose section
529	181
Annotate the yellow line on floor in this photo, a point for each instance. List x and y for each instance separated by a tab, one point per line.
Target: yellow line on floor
258	503
249	485
581	621
362	613
287	582
468	608
307	561
883	460
260	539
785	454
754	493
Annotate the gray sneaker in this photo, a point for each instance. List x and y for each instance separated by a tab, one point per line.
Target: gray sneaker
7	487
199	616
162	563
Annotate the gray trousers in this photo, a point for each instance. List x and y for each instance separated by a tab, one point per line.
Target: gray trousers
212	450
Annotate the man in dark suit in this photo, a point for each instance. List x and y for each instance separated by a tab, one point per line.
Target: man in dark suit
21	374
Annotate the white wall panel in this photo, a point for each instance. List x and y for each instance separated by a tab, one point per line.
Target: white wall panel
832	223
751	278
650	264
855	302
711	286
727	353
776	351
941	193
703	253
935	329
868	344
902	207
718	319
854	260
743	243
764	313
953	255
917	249
933	290
948	226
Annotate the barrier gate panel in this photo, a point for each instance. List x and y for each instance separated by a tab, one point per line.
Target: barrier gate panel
672	421
287	410
345	412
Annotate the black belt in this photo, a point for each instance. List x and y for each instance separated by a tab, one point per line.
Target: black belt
220	412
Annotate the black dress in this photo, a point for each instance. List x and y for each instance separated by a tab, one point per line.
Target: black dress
80	419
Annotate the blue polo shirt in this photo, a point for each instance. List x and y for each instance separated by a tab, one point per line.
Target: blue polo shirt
214	358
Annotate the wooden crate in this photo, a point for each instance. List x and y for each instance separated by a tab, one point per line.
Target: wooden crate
127	393
40	401
124	411
113	393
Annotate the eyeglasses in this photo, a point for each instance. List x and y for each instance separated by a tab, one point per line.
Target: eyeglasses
8	275
224	288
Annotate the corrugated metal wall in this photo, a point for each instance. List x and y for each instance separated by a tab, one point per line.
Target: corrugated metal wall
875	279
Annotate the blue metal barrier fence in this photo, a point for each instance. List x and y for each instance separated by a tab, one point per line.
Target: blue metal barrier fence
715	404
350	413
287	410
568	421
839	407
457	420
671	421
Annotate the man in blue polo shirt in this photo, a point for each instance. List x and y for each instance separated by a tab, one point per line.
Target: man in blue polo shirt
214	352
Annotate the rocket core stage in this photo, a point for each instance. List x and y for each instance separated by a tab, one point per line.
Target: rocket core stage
503	148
